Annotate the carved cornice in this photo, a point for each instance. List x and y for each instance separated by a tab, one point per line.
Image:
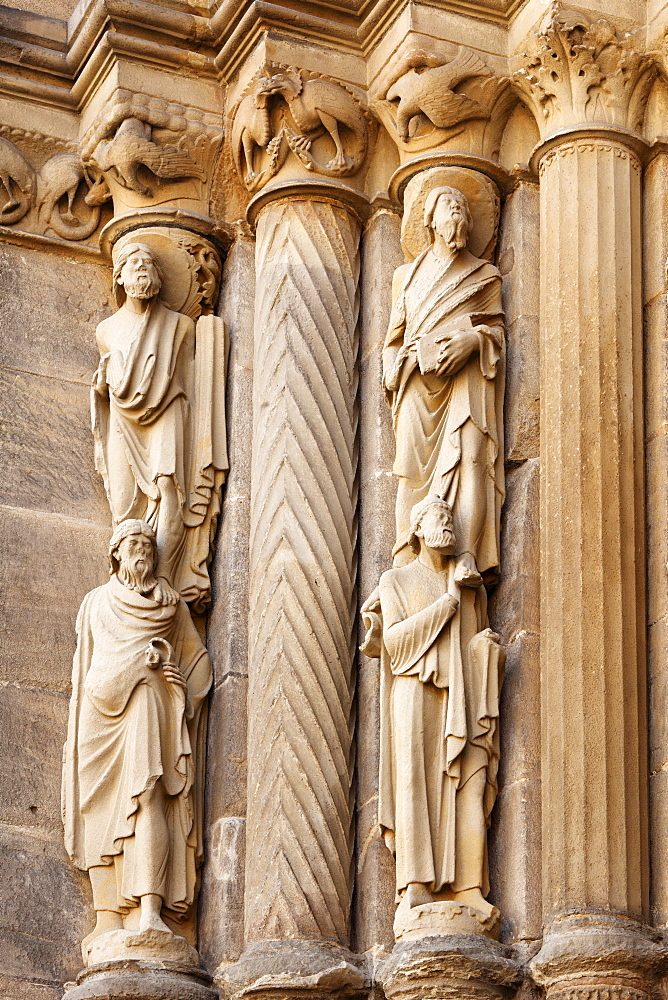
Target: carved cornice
60	63
573	71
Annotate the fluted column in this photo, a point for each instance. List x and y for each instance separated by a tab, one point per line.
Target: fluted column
594	729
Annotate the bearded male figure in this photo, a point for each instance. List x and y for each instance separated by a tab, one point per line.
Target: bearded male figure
442	671
443	377
134	756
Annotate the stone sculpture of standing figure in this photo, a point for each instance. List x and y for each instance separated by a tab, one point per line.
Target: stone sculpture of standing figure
442	668
442	374
159	437
134	757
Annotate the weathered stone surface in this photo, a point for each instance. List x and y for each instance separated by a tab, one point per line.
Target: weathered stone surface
47	451
143	980
48	324
517	255
514	853
515	604
42	554
381	252
21	989
38	941
33	726
221	925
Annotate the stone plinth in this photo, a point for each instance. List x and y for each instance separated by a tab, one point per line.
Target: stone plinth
143	980
273	970
462	966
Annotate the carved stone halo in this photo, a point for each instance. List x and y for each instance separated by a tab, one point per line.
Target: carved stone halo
481	194
172	261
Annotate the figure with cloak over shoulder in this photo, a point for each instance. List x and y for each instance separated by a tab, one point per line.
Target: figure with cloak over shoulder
159	421
443	372
133	771
441	664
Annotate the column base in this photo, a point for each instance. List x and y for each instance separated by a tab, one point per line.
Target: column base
285	969
461	966
141	980
599	956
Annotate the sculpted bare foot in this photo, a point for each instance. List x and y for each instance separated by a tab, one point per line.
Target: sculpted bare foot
150	919
466	571
475	899
106	920
417	894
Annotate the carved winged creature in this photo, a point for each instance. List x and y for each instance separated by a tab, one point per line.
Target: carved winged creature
251	130
319	107
132	148
430	91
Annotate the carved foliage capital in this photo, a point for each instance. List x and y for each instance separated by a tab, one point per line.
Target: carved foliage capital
292	117
574	70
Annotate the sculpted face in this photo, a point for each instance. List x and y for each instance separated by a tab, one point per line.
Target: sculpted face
435	529
139	276
449	221
136	559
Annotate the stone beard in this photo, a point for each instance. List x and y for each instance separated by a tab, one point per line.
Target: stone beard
158	445
442	671
134	757
444	379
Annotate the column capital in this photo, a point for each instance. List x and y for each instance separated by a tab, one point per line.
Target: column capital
143	151
446	97
293	124
590	954
573	70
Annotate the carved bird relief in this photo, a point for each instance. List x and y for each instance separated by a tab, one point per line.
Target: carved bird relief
320	107
251	130
430	91
132	147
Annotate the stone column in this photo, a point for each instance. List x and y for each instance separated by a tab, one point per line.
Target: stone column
303	565
594	730
455	955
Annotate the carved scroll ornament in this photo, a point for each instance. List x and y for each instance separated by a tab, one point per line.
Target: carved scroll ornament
286	112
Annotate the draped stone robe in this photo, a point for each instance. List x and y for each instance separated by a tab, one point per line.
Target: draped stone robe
430	408
440	681
127	729
165	416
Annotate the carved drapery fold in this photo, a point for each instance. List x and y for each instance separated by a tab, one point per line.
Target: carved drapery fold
303	565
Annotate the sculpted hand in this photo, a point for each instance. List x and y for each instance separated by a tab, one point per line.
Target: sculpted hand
100	378
174	677
457	349
163	593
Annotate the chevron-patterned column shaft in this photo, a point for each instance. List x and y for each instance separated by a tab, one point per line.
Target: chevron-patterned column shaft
302	568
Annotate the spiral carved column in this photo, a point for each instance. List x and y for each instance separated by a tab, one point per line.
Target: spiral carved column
302	586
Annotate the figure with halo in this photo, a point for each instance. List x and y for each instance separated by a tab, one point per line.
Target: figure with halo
158	421
443	377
